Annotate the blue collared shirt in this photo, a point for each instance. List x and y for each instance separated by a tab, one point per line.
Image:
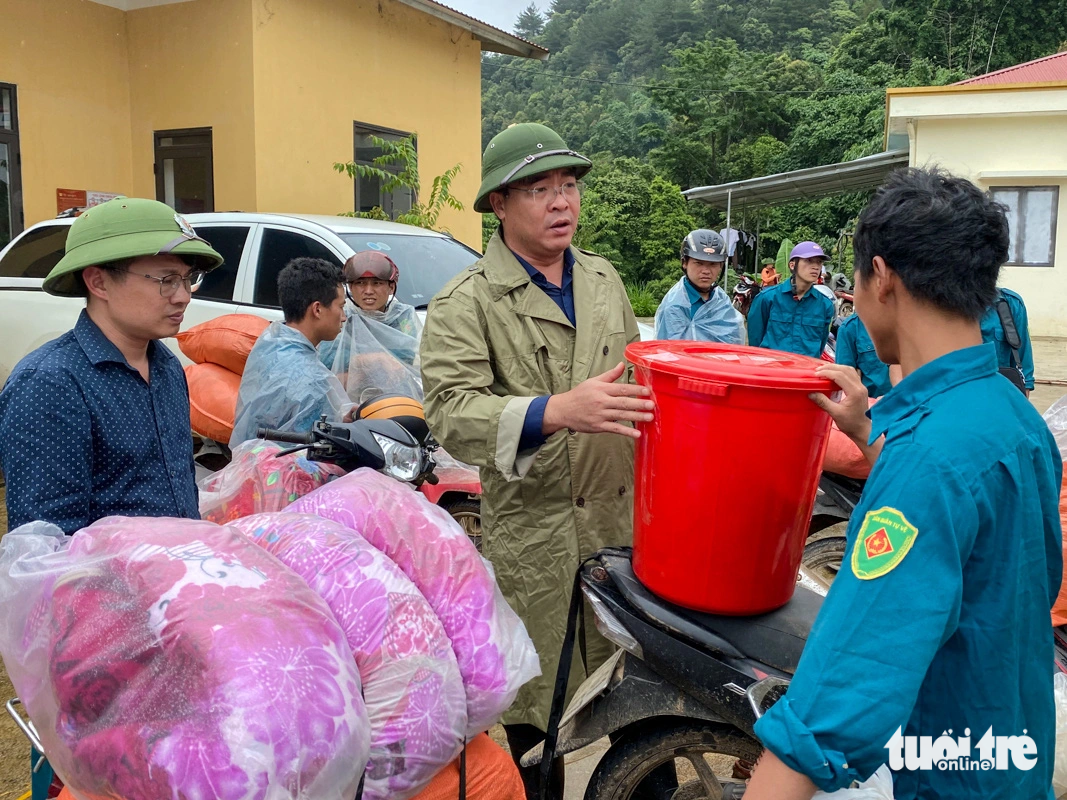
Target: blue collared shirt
855	349
947	627
85	437
562	296
780	321
993	331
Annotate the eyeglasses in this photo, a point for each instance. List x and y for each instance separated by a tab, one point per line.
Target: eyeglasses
169	284
571	190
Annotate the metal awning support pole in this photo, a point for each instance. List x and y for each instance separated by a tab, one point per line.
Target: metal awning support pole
726	270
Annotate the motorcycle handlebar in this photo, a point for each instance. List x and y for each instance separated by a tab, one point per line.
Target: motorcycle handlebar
285	436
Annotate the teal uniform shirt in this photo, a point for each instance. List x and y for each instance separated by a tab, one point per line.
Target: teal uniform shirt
780	321
993	331
855	349
939	617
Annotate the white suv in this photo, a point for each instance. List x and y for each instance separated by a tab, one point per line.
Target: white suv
255	248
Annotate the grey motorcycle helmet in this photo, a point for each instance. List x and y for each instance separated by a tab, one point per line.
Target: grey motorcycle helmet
704	245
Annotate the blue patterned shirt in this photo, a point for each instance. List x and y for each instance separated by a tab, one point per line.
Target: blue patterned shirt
85	437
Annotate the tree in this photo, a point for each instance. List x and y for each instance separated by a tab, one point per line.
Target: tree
530	23
402	153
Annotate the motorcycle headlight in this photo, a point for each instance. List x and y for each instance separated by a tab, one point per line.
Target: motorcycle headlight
401	461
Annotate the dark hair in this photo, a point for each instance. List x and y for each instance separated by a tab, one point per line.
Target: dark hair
942	235
305	281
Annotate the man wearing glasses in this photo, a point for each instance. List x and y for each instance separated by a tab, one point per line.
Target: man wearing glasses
96	422
521	358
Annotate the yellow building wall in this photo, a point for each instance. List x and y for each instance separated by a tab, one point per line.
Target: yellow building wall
191	67
1016	145
321	65
68	59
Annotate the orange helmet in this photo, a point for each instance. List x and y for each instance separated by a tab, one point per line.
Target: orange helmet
405	410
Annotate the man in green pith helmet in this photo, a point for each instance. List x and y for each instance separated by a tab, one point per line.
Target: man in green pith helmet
96	422
523	368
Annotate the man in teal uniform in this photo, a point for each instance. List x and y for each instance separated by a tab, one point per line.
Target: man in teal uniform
938	622
791	316
1021	358
855	349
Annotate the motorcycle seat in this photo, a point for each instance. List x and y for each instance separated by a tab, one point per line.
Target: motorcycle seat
776	638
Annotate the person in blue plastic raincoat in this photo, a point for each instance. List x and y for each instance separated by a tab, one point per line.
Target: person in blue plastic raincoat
1016	359
284	385
932	651
695	308
377	352
794	316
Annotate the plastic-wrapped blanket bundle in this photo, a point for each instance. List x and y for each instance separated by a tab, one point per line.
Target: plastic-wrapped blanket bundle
495	654
163	658
411	682
258	480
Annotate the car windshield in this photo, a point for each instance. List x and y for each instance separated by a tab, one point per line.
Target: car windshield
426	263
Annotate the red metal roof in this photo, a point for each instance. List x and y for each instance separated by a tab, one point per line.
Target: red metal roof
1042	70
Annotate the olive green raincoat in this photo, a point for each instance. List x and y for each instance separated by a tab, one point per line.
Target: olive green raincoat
493	342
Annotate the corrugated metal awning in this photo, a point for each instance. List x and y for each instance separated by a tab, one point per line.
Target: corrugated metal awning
803	184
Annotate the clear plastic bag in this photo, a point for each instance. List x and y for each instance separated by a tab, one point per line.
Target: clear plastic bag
257	480
715	321
877	787
1059	770
376	353
164	658
495	653
411	682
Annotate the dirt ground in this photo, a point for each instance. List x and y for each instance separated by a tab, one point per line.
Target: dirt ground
1050	356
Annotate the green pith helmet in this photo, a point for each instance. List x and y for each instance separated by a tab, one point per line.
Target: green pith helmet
125	228
520	151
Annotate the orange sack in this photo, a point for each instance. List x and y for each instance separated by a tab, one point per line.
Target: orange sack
1059	608
212	400
491	775
843	457
225	340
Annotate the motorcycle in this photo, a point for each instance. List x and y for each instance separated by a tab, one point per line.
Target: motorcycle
448	483
744	293
684	686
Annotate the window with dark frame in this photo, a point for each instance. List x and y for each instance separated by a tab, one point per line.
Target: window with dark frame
185	170
1032	212
11	212
369	191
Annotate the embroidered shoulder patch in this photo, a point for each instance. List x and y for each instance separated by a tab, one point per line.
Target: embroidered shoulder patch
884	539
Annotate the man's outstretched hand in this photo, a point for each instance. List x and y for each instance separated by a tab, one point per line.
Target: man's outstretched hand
849	411
600	405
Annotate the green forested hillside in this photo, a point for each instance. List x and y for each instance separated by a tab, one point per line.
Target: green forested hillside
669	94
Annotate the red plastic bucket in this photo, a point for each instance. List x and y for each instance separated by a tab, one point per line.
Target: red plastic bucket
726	473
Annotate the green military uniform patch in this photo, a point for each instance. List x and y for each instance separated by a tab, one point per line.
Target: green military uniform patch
884	539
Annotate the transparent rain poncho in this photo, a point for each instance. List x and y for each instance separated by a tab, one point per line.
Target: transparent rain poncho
285	387
377	352
715	321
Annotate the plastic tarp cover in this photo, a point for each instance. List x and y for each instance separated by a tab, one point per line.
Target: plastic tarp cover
411	682
257	479
286	387
376	353
494	651
715	321
167	658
